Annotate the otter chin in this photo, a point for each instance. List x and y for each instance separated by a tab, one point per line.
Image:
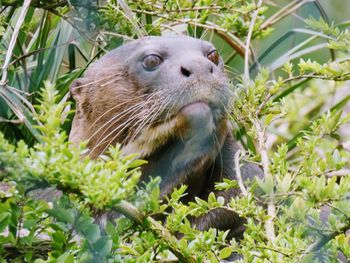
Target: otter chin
197	108
167	99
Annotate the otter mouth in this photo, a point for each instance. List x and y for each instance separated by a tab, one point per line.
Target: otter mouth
199	107
195	108
200	110
196	112
195	104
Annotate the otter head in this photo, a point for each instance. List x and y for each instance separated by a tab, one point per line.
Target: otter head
178	71
162	97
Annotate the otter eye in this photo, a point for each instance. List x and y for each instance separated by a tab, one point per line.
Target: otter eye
151	62
214	57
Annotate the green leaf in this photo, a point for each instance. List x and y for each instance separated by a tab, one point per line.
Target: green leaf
4	222
286	182
66	258
266	184
225	252
62	215
211	199
88	230
28	256
136	163
103	246
59	237
112	232
15	213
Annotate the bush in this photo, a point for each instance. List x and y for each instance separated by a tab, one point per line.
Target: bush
289	124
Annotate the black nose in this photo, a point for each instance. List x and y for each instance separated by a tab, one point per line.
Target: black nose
185	72
196	67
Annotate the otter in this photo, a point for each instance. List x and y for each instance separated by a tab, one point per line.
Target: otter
168	99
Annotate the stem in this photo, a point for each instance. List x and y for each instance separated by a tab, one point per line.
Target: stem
238	174
285	11
342	77
134	214
147	222
13	40
319	243
341	172
130	211
271	209
246	77
128	13
230	38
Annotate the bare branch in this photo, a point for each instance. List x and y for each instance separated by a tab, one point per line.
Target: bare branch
285	11
128	13
246	77
238	173
271	208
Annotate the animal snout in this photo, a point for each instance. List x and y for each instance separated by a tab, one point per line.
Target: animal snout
196	68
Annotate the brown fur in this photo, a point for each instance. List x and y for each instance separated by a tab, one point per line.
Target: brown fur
95	109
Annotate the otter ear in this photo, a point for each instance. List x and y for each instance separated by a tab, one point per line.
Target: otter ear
75	88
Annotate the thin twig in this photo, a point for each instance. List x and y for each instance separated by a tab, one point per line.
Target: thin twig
10	121
271	208
246	77
342	77
230	38
41	50
197	8
321	242
116	35
129	14
231	41
285	11
276	250
262	105
339	173
238	173
81	32
134	214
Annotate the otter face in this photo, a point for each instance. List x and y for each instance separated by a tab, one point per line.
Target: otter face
149	91
167	99
180	71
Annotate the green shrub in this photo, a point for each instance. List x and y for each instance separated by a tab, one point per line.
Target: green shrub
285	116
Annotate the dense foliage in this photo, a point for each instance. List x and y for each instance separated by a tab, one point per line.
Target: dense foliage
289	113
